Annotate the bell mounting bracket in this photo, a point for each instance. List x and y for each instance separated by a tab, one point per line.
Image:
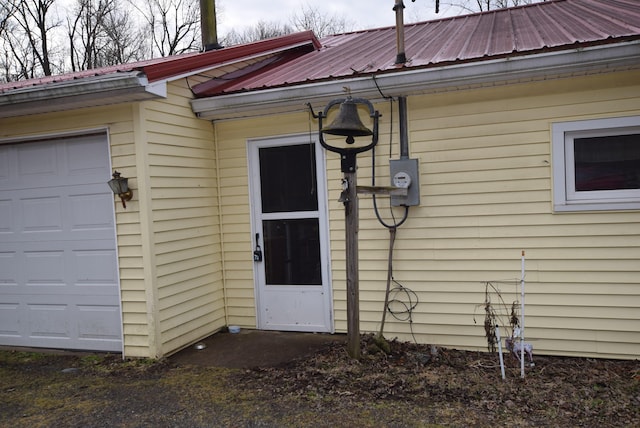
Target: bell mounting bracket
347	154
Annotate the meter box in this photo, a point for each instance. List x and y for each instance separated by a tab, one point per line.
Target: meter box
404	174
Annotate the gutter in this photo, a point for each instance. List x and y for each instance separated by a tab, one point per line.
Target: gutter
522	68
68	94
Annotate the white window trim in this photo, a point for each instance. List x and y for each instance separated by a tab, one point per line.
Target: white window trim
565	198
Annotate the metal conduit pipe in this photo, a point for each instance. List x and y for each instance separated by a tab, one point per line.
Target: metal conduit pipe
404	133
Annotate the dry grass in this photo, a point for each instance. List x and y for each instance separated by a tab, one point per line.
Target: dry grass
409	387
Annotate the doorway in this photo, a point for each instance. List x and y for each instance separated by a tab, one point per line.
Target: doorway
290	234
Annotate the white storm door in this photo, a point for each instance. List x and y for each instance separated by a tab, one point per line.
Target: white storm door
290	225
59	283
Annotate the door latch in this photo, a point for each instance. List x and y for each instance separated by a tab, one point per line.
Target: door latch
257	253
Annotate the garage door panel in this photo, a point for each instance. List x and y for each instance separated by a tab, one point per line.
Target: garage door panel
49	320
45	268
63	162
90	270
9	241
41	214
85	156
95	267
8	269
91	211
36	161
6	216
4	165
59	284
53	317
10	319
42	218
74	208
98	322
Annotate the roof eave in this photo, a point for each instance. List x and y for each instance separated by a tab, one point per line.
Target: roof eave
86	92
293	98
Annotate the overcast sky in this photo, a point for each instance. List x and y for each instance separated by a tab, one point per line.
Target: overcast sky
363	14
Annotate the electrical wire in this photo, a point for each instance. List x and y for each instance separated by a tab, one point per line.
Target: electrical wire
373	168
405	313
406	309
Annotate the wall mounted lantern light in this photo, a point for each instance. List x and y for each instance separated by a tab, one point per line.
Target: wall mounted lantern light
120	186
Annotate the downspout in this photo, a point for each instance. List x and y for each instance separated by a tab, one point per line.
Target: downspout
220	228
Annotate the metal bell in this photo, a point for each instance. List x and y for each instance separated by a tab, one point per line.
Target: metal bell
347	123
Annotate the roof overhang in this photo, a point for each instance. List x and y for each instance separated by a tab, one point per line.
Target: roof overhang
135	82
85	92
520	68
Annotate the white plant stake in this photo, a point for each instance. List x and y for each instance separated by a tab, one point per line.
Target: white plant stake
522	317
500	350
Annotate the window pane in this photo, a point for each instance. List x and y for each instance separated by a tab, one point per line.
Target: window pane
607	163
292	252
288	178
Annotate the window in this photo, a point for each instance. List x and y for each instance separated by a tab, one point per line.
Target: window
596	164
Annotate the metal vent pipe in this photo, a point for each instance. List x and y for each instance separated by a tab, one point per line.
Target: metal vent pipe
208	25
401	57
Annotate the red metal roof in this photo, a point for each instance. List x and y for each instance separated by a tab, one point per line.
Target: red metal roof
164	68
535	28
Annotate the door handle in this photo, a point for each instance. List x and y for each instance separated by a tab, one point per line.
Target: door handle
257	253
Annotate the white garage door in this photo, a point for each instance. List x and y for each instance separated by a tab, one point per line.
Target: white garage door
58	264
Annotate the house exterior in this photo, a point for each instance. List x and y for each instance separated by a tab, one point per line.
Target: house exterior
525	124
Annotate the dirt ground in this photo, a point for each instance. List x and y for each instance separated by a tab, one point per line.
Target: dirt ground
413	386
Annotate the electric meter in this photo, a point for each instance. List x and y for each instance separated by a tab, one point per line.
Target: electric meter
404	174
402	179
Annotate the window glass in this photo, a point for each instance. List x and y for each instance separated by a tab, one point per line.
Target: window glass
607	163
288	178
292	252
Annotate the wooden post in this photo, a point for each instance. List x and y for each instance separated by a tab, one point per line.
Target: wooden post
351	242
349	197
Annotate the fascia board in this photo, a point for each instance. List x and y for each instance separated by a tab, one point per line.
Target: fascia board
87	92
230	62
100	90
421	81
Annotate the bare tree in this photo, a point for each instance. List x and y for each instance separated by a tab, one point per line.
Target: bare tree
6	11
308	18
101	33
311	18
174	25
485	5
86	33
7	8
262	30
127	39
28	35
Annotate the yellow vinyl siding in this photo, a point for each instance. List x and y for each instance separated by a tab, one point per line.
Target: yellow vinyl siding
486	194
168	236
119	124
485	166
232	139
185	234
185	245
